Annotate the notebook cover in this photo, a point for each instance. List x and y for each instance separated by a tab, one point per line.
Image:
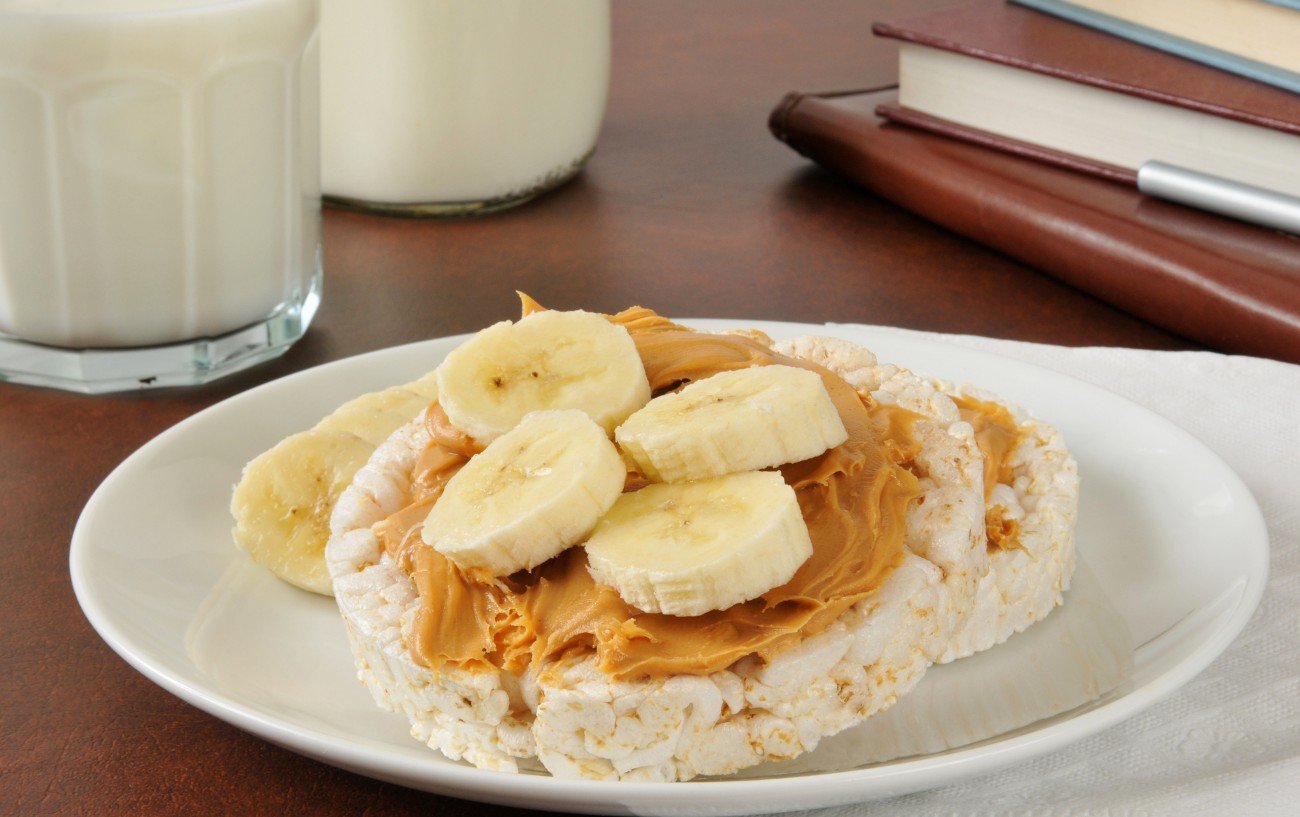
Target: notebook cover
1022	38
1230	285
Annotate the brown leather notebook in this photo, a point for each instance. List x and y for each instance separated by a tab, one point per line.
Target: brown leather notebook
1230	285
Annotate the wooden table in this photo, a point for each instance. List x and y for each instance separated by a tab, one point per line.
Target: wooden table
689	206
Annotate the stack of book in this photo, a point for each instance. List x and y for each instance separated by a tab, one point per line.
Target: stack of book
1026	129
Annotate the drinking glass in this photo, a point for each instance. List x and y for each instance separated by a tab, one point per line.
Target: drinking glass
159	188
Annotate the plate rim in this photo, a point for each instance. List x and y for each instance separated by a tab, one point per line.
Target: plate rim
836	788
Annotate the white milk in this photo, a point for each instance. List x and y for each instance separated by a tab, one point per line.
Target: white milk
445	101
158	167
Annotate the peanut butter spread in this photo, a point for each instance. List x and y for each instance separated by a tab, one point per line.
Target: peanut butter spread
996	435
853	498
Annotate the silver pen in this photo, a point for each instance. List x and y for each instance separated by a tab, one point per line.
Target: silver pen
1204	191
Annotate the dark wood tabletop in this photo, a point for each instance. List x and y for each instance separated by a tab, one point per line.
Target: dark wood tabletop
689	206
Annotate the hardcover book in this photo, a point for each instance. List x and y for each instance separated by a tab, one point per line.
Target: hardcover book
998	73
1253	38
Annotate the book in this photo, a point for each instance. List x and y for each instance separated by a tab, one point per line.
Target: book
952	130
1011	73
1253	38
1230	285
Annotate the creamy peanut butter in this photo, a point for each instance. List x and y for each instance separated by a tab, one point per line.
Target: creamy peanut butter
853	498
996	435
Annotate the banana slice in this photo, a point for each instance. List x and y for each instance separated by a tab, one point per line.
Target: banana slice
426	386
548	360
743	420
374	417
283	501
687	548
533	492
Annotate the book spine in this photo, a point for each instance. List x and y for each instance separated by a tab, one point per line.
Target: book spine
1179	47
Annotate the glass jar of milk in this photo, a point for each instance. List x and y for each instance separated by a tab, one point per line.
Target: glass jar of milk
448	107
159	188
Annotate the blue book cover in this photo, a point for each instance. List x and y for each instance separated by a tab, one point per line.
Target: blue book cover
1224	61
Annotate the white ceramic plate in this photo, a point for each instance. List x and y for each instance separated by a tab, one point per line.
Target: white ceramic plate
1171	533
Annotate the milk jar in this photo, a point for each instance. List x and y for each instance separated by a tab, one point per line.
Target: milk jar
435	107
159	187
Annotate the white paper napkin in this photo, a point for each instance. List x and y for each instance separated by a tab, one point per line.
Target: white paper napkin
1228	743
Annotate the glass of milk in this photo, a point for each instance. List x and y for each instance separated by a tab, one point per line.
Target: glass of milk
159	188
452	107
